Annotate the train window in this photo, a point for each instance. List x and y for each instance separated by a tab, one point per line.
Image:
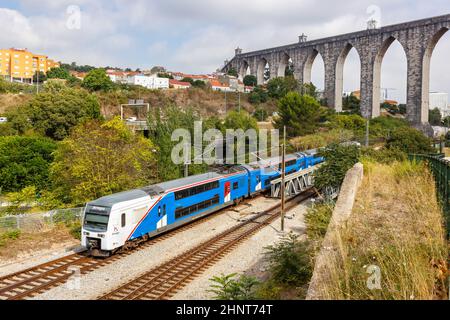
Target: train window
124	220
196	190
288	164
182	212
164	210
159	211
235	185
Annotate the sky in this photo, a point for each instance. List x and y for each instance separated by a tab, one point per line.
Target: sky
196	36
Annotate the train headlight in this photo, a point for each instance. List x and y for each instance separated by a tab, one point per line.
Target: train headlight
85	233
101	235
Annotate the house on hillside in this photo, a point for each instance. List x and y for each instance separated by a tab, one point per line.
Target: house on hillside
176	84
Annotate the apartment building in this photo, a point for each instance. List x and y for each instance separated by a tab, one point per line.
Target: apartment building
148	82
20	64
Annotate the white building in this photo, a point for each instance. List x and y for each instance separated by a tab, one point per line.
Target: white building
149	82
440	100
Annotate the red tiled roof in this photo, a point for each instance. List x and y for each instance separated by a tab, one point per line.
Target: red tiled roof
216	83
179	83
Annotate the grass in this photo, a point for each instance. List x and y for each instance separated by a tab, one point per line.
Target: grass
394	240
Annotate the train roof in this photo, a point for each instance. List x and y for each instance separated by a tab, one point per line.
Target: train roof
178	183
160	188
109	201
271	161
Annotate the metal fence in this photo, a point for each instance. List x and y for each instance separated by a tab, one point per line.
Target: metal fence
37	222
441	171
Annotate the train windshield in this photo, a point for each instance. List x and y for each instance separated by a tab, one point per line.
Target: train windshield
96	218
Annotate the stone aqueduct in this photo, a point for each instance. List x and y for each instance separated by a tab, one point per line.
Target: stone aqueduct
418	39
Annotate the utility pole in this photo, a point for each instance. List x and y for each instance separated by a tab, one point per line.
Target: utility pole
283	176
367	132
226	107
239	96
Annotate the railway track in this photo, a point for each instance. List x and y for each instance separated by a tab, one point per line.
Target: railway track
163	281
41	278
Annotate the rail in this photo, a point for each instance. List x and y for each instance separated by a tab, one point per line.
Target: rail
440	167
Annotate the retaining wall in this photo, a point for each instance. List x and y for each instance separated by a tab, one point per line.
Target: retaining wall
331	244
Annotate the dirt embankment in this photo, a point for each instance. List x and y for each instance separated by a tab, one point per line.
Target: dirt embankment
205	102
9	100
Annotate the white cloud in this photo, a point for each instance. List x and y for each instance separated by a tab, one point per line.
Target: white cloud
197	35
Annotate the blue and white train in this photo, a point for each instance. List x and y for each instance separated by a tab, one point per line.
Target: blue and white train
123	220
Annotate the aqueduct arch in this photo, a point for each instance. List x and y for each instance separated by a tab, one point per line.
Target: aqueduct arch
418	39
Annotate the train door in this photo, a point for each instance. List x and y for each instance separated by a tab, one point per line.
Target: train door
258	186
162	216
227	192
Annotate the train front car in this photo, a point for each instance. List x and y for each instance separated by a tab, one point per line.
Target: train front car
108	221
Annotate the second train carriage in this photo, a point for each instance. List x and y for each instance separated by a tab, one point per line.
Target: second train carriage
125	218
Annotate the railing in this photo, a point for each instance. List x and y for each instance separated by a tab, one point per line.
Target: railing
36	222
441	171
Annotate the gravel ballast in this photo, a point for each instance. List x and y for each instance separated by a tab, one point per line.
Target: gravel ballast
246	258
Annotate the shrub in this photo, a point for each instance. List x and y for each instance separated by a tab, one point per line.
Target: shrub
227	287
410	140
290	261
321	139
8	236
352	122
382	127
75	230
339	159
384	155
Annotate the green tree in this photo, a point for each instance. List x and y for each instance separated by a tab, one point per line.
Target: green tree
24	162
240	120
98	159
165	75
97	80
162	123
300	114
410	140
233	72
199	84
53	113
250	81
188	79
258	95
352	122
277	88
260	114
39	77
309	89
435	117
351	104
58	73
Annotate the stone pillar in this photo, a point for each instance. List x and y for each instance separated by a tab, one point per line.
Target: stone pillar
417	110
367	89
330	80
273	67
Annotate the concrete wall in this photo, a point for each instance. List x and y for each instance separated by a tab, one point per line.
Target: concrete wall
418	39
330	245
